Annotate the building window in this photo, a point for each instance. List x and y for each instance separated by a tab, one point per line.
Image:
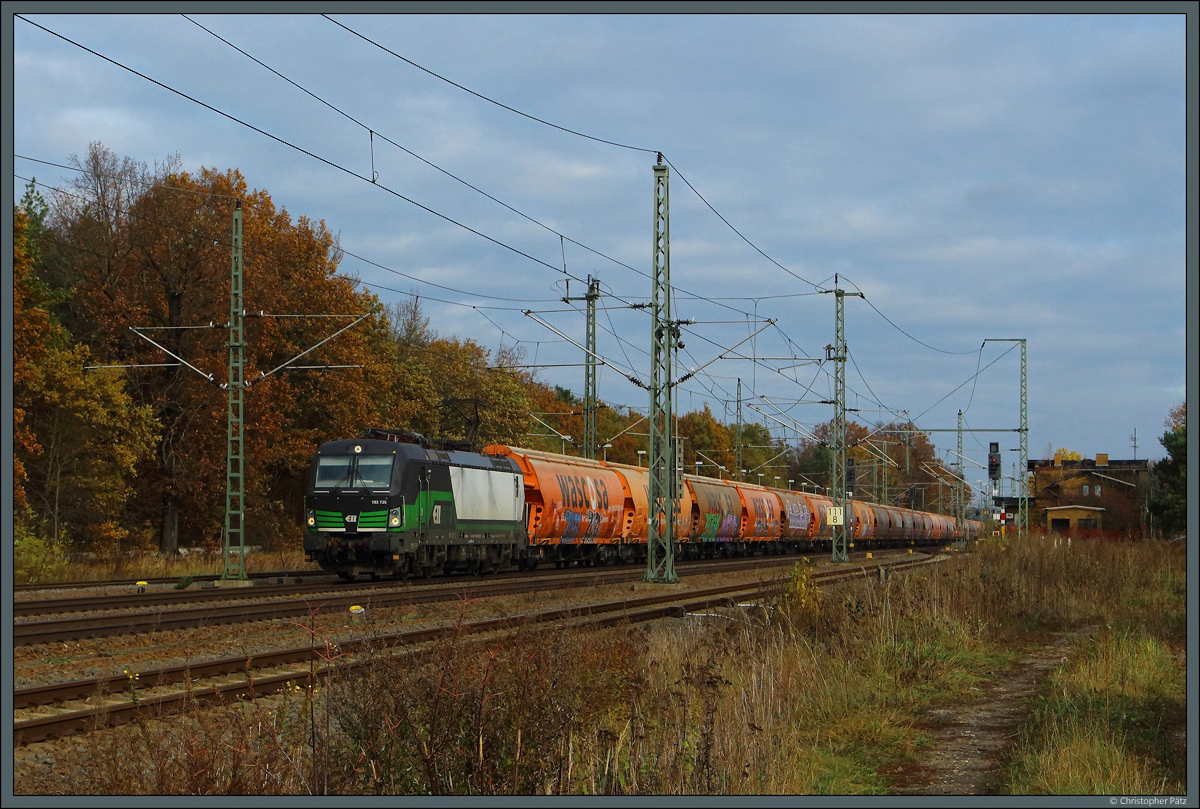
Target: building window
1085	490
1097	489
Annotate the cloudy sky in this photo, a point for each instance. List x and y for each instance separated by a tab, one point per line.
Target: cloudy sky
976	178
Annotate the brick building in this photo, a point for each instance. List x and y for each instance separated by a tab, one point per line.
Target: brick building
1089	495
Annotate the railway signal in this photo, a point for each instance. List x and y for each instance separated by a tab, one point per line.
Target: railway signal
994	460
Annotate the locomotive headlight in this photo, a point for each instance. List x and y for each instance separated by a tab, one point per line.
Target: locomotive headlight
394	517
312	518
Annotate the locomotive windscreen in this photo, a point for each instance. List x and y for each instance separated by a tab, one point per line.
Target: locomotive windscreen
354	471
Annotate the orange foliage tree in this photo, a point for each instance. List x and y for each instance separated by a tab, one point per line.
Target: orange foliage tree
152	251
77	434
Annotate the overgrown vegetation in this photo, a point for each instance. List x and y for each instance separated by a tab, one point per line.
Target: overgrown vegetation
1112	719
1105	724
37	560
817	692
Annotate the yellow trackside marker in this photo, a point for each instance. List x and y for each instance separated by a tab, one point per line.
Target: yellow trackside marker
141	585
356	613
868	554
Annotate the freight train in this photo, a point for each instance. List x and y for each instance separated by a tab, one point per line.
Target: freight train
391	503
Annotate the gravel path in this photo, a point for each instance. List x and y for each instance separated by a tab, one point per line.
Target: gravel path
969	738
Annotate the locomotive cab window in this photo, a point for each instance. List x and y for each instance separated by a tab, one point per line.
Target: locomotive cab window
354	472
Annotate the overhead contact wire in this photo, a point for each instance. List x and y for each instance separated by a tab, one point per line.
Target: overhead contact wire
485	98
430	210
300	149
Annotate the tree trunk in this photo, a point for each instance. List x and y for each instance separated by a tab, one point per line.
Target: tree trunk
169	543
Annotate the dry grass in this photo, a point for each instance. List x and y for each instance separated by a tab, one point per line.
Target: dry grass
1073	760
1110	723
49	568
811	693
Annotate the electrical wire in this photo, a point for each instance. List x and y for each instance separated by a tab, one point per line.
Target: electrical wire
408	151
483	97
300	149
332	164
969	379
897	328
351	172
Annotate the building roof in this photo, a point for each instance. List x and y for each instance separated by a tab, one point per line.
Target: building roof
1139	465
1114	480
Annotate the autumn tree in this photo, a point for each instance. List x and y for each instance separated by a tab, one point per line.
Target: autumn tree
707	441
473	394
906	465
409	326
625	430
77	433
893	461
812	461
809	463
1177	417
153	251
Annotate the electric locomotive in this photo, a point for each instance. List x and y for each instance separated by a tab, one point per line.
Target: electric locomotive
392	503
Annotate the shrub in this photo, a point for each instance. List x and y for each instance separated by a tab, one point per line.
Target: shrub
36	560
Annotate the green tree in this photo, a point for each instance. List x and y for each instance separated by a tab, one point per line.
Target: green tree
809	463
1169	505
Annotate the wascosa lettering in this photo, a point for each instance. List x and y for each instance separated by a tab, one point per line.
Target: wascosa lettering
583	493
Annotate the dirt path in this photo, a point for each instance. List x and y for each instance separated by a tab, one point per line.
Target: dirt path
968	739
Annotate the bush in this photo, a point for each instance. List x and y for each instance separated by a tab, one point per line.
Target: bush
36	560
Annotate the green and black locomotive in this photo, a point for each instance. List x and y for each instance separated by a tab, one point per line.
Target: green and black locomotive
392	503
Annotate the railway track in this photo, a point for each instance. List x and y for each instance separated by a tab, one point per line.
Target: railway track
274	585
51	711
128	614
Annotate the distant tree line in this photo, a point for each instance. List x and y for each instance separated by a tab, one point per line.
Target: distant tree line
118	445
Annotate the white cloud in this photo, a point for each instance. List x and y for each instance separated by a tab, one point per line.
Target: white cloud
975	175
